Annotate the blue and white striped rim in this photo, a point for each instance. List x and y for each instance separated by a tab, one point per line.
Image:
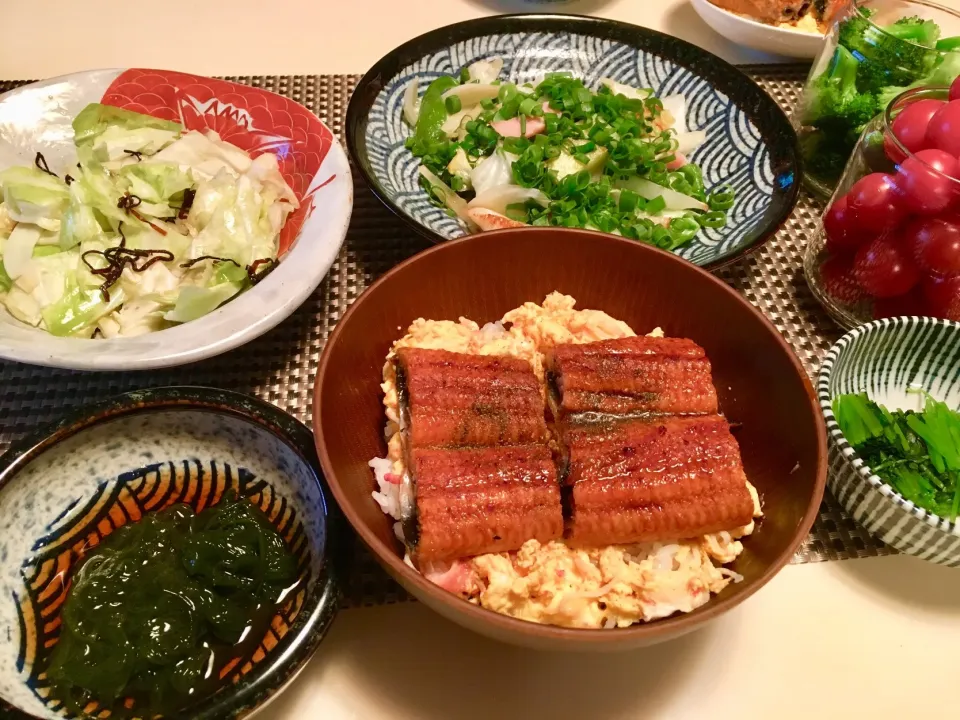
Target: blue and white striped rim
846	449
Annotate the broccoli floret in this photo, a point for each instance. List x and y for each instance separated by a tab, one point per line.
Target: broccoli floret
915	30
943	74
834	102
898	54
824	156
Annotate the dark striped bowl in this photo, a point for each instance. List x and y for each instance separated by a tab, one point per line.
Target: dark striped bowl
66	487
884	358
750	145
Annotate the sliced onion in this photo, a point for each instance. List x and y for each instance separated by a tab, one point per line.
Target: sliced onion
450	198
490	172
497	198
485	71
472	93
673	199
676	105
451	126
620	89
411	103
690	141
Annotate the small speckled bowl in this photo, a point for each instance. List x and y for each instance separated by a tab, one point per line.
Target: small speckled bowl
883	359
71	484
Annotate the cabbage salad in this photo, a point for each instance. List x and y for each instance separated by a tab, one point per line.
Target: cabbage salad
497	154
154	226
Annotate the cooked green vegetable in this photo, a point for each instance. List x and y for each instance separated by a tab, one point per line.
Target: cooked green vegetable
561	154
870	66
161	605
917	453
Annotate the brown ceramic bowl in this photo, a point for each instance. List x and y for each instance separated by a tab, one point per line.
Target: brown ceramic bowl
760	382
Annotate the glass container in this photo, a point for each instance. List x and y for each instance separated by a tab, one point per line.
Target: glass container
889	240
867	59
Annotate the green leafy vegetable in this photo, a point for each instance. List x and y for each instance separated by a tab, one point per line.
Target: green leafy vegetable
917	453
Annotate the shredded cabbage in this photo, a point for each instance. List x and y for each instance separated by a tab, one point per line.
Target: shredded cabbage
157	226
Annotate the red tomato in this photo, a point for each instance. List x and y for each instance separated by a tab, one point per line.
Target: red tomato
955	89
910	126
836	273
842	233
875	204
943	132
913	303
884	269
935	244
926	182
943	296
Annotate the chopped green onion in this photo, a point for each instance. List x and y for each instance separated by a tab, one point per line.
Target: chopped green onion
628	201
527	106
453	104
713	219
721	199
683	230
656	205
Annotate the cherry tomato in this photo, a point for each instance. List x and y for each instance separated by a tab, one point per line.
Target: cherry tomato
943	132
913	303
935	244
955	89
926	182
875	204
884	269
943	295
836	273
839	224
910	126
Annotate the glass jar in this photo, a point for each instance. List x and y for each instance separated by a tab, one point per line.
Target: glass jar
889	241
864	63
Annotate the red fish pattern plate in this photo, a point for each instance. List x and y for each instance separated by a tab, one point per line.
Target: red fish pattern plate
38	117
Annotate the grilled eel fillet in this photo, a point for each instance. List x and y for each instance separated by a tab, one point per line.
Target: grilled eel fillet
452	399
645	480
630	376
482	500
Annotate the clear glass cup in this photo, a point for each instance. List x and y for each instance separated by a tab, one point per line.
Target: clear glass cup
889	241
876	63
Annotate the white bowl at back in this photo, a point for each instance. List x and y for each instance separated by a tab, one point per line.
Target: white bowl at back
757	35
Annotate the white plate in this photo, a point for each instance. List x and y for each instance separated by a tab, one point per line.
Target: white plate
757	35
38	117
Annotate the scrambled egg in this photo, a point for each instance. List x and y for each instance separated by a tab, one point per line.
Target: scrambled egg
807	24
614	586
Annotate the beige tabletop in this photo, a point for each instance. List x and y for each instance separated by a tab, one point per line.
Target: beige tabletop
872	638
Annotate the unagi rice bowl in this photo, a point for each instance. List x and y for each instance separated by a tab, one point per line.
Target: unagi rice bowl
556	582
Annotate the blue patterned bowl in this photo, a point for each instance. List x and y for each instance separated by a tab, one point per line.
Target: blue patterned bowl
750	142
884	358
65	488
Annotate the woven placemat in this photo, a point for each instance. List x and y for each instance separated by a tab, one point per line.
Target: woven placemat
280	367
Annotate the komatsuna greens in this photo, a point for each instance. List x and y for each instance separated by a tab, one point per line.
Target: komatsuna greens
915	452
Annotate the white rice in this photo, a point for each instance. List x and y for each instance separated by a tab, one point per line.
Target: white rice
388	496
